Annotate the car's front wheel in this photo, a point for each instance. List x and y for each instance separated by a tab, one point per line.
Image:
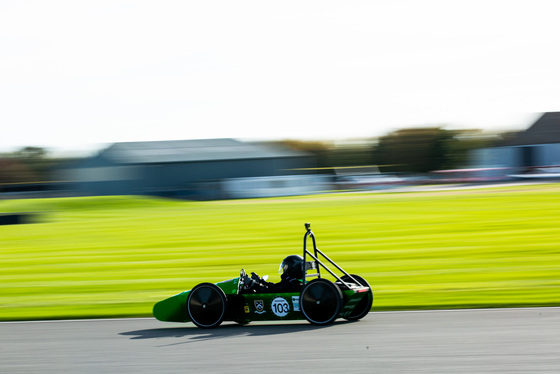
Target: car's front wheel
207	305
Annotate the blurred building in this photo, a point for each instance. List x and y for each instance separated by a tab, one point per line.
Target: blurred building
534	152
194	169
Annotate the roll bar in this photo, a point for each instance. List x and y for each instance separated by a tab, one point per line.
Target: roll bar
318	264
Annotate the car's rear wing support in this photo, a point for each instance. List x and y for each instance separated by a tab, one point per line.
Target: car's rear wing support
317	264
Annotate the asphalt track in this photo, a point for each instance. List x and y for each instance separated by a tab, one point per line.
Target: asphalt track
462	341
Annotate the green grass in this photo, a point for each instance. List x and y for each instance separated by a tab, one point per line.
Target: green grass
117	256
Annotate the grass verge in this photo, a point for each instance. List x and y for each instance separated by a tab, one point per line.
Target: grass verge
117	256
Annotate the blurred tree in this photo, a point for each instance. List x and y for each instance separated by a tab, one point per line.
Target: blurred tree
317	148
31	153
15	171
415	150
330	155
421	150
29	164
357	153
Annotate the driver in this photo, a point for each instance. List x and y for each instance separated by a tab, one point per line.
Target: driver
291	274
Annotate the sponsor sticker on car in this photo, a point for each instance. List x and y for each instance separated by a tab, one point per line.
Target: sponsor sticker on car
259	307
295	303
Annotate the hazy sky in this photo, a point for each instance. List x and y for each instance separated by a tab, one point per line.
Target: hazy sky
76	74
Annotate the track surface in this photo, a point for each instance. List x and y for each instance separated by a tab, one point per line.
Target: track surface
463	341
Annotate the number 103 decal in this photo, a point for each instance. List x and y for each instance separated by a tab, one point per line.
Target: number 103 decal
280	307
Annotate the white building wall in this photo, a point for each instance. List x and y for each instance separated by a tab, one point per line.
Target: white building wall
288	185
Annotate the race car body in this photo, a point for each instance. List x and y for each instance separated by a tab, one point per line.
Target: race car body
320	301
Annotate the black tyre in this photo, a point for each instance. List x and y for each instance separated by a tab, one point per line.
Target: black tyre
321	301
207	305
364	306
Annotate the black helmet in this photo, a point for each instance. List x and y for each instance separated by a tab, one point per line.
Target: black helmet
291	267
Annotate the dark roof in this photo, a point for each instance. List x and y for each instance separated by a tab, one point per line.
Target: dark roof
545	131
191	150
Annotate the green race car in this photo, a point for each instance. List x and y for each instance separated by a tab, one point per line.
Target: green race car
244	299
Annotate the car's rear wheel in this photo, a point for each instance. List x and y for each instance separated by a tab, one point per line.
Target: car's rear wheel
364	306
207	305
321	301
